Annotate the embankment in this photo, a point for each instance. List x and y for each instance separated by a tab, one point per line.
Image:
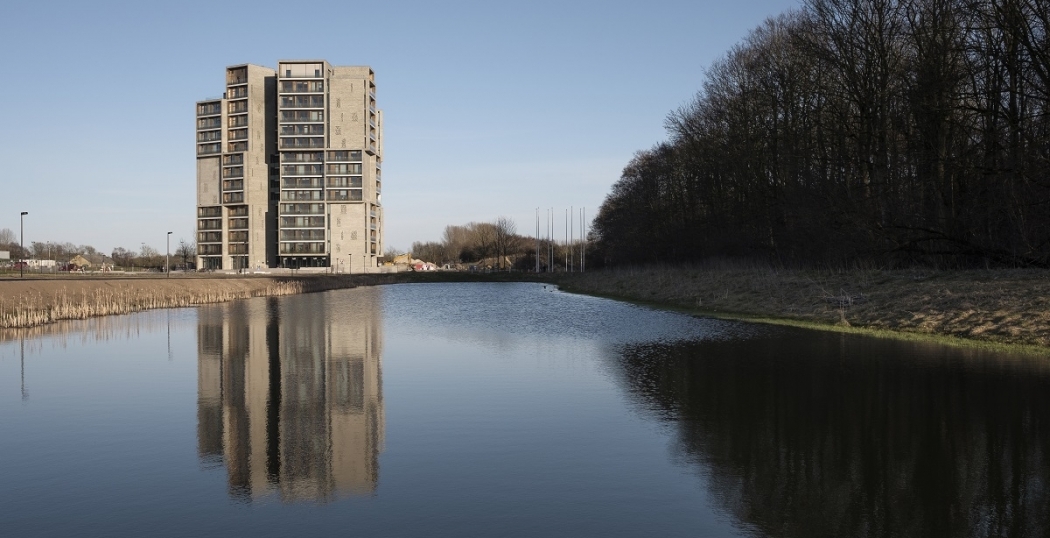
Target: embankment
29	303
1001	306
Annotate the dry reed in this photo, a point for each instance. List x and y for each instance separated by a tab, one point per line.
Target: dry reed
35	307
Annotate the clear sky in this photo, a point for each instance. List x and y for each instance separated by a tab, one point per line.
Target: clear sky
490	108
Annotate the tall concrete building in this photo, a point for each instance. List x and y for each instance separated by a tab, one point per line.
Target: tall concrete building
289	169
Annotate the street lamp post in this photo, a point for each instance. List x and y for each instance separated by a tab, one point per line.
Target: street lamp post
167	255
22	243
350	264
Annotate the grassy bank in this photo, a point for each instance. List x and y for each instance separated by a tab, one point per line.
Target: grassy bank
995	306
33	302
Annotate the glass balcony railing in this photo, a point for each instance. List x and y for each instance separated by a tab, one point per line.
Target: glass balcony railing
302	209
302	143
302	222
305	157
207	149
303	248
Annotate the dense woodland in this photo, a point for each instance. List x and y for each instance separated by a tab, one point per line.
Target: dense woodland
886	132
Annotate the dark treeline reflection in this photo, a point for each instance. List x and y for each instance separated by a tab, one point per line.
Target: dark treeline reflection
831	435
290	395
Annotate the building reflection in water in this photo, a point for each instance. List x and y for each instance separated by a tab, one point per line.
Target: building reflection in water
290	394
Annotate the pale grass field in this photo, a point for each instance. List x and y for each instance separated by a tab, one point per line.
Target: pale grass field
1007	306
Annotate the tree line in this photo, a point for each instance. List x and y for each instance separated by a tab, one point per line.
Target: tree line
497	245
183	254
886	131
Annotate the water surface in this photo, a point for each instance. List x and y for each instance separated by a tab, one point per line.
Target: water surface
508	410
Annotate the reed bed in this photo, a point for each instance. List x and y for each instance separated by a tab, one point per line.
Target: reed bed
1006	306
43	302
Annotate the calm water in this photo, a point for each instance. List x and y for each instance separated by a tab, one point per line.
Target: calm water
508	410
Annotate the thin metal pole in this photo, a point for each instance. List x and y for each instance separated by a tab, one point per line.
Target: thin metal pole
22	244
571	255
537	240
167	255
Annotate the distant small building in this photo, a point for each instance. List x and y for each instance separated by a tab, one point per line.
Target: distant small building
79	262
40	264
5	254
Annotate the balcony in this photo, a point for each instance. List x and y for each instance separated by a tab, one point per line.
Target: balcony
233	171
302	235
238	224
237	107
302	222
209	224
233	198
302	196
302	86
238	237
307	157
302	209
233	185
238	248
209	109
207	149
214	211
302	116
209	136
349	169
301	169
302	143
238	134
209	123
237	76
240	120
302	182
209	237
303	248
344	195
233	159
352	181
209	249
302	101
299	130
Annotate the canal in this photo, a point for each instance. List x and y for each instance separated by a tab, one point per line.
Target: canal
509	410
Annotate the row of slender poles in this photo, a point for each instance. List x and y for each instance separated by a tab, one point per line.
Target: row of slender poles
574	260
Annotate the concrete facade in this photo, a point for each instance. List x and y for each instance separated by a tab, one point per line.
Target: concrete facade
289	169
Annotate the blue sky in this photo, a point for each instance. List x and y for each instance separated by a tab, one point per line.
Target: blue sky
490	108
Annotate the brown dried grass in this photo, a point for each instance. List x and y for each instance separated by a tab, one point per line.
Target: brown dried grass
1005	306
30	303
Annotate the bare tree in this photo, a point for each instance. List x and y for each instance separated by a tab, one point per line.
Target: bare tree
504	231
187	251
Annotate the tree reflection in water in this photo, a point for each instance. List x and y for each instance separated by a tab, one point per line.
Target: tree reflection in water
819	434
